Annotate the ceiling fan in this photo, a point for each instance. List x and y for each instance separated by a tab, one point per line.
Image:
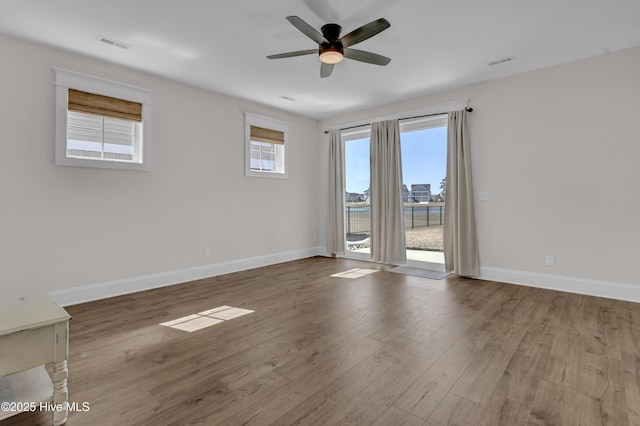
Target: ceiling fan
332	48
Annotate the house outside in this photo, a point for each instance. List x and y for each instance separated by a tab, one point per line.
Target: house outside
420	193
405	193
353	197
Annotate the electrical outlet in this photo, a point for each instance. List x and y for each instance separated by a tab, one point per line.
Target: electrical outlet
207	252
484	195
551	261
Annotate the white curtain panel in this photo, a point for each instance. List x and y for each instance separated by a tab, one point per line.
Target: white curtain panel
460	240
336	237
387	207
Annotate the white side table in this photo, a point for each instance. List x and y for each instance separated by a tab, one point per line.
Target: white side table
34	331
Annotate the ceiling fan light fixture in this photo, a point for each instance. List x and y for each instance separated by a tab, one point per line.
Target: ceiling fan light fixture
331	55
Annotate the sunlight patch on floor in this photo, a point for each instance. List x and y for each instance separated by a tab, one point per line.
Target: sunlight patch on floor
354	273
207	318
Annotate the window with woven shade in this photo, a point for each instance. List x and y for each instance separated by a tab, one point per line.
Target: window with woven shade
266	146
101	123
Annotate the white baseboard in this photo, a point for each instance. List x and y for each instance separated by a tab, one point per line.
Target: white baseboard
609	290
75	295
322	251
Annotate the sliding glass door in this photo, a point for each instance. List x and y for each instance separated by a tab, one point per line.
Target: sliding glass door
424	156
357	222
424	165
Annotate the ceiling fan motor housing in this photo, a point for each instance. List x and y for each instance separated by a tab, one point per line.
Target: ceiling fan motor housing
331	33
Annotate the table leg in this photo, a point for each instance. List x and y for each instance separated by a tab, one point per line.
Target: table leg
60	392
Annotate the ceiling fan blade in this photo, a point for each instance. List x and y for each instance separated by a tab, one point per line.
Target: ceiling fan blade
368	57
292	54
364	32
326	70
307	29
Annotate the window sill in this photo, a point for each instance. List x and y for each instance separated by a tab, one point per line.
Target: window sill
276	175
102	164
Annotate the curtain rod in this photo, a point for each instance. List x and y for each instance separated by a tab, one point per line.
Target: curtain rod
400	119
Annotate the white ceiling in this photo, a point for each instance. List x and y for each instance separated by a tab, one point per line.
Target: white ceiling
434	45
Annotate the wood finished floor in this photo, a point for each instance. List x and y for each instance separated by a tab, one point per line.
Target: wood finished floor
384	349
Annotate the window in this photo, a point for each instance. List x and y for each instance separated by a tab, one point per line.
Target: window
266	146
101	123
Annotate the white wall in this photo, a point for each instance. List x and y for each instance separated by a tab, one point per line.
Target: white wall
559	151
557	148
64	227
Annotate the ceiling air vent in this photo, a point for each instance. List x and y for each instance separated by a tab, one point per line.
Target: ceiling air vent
113	42
501	61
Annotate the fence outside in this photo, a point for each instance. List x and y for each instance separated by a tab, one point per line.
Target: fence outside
358	218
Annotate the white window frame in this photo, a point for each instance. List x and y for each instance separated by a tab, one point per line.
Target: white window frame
424	123
267	123
360	132
66	80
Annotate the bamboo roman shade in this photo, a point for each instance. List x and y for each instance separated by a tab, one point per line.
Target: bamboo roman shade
105	106
260	134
